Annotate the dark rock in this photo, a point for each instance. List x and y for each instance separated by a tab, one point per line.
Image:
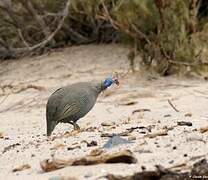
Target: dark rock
184	123
200	168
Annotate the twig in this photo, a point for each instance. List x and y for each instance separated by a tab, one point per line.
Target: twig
153	135
78	35
118	26
203	129
182	63
184	123
23	39
178	166
49	38
141	34
12	146
124	133
29	5
7	6
173	106
21	168
141	110
115	24
4	44
160	5
138	127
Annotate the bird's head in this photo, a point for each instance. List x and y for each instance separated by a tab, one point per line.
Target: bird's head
110	80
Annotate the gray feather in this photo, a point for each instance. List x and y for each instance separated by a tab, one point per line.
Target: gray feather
70	103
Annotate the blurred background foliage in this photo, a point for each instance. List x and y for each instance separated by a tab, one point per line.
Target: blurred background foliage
170	36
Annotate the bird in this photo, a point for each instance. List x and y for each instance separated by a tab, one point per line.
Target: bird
70	103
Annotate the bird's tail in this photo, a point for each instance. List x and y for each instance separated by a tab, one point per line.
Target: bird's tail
50	127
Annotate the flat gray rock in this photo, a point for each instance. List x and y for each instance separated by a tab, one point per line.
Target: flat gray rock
115	141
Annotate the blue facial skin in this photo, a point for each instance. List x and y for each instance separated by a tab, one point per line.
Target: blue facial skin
108	82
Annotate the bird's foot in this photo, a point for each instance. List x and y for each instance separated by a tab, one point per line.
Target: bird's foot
76	126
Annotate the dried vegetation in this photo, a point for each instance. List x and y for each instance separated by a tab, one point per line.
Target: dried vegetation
168	35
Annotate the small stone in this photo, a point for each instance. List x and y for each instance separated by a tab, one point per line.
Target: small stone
21	168
107	124
188	115
171	162
1	135
92	143
184	123
174	147
132	138
73	147
88	175
167	115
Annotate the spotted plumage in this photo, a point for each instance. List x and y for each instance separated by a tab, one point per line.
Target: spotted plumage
69	104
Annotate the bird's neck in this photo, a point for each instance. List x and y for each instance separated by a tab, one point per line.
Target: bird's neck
101	87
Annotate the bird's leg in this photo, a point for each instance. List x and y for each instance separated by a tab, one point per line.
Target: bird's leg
76	126
71	122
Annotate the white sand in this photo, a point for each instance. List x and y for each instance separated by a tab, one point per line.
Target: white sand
22	117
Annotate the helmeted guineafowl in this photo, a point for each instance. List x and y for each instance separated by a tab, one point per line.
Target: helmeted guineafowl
69	104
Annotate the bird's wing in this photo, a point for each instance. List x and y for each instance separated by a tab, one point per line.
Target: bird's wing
69	110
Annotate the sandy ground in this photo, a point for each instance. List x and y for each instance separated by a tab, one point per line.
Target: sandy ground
23	126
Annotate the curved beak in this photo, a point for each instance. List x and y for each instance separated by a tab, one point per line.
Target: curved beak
116	81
